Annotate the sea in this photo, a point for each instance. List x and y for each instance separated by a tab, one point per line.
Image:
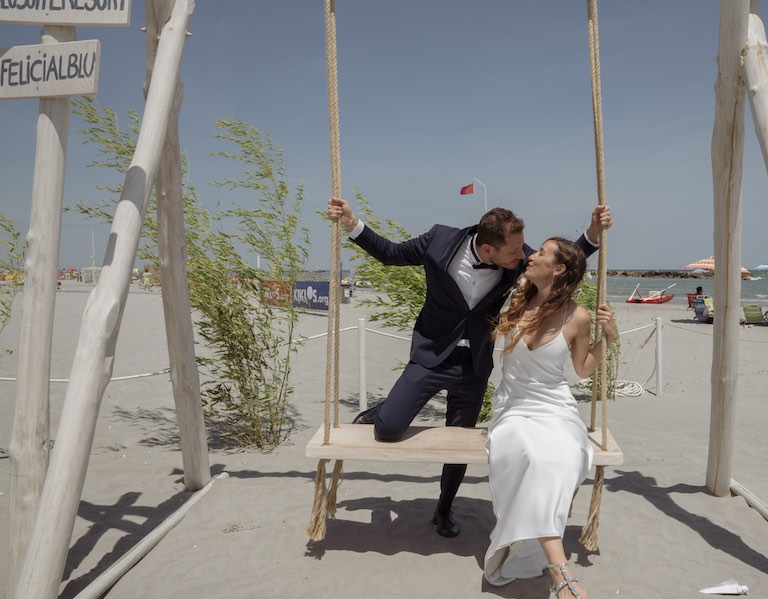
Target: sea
619	288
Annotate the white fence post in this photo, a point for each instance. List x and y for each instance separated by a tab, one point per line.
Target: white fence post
658	357
361	363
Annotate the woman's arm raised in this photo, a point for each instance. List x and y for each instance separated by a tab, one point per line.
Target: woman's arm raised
586	358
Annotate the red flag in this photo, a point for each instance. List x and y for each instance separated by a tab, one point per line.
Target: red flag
467	189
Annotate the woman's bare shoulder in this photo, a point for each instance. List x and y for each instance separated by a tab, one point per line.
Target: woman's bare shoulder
579	321
579	314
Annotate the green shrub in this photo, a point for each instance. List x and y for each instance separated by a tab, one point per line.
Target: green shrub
250	343
11	270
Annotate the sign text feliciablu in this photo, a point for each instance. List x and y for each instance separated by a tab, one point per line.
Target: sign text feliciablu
49	70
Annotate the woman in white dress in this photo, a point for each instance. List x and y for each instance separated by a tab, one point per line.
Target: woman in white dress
537	443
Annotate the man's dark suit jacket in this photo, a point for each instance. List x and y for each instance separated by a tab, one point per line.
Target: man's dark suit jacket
446	318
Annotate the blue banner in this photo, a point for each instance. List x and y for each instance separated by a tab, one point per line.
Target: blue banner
311	295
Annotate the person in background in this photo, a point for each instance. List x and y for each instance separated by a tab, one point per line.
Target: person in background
146	279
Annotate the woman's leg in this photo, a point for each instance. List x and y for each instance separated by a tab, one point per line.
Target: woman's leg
555	554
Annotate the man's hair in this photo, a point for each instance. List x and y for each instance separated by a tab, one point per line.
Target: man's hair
496	224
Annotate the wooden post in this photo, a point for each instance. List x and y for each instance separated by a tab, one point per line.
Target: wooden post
30	438
659	361
107	579
756	74
727	151
752	500
94	356
362	385
172	249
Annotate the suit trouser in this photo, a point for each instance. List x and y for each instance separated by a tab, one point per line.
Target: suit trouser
415	387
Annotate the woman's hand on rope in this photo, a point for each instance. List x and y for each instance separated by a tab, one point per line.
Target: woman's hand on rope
601	217
340	209
607	323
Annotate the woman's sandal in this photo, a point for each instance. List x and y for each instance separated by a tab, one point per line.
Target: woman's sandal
567	581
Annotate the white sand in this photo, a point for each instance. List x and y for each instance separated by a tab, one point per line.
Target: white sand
661	534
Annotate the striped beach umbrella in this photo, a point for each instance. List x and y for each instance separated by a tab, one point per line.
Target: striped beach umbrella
703	264
709	264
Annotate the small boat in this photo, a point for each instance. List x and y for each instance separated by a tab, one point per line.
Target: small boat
654	297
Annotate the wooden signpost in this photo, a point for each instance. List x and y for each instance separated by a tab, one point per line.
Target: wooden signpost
44	498
66	12
57	68
50	70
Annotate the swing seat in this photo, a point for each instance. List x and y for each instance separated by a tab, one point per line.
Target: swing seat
429	444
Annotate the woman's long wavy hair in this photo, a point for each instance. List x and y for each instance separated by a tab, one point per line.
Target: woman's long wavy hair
569	255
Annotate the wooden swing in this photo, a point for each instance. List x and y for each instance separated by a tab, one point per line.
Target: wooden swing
429	444
444	444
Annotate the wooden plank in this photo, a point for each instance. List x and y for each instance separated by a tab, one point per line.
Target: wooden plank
613	456
66	12
423	444
50	70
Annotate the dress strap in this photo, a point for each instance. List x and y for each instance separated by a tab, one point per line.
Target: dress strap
562	326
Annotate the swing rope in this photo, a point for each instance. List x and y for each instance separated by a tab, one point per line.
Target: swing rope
589	533
324	503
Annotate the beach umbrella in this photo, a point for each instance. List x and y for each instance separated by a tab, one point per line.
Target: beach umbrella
708	264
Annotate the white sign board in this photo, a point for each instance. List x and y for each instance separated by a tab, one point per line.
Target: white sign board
48	70
66	12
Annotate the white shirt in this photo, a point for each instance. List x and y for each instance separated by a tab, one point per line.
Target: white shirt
474	284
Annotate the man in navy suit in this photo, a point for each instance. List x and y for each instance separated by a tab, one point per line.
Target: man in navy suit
468	273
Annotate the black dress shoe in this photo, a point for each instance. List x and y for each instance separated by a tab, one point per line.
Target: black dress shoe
369	415
446	525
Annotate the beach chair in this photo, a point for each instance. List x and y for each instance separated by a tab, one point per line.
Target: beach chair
703	308
691	297
753	314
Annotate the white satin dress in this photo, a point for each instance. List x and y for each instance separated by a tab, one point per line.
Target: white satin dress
538	453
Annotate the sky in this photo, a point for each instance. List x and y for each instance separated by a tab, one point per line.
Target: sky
432	95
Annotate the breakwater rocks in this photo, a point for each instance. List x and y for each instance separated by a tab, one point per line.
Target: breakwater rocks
657	274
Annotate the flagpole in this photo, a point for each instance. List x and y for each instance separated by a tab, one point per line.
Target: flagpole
485	197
